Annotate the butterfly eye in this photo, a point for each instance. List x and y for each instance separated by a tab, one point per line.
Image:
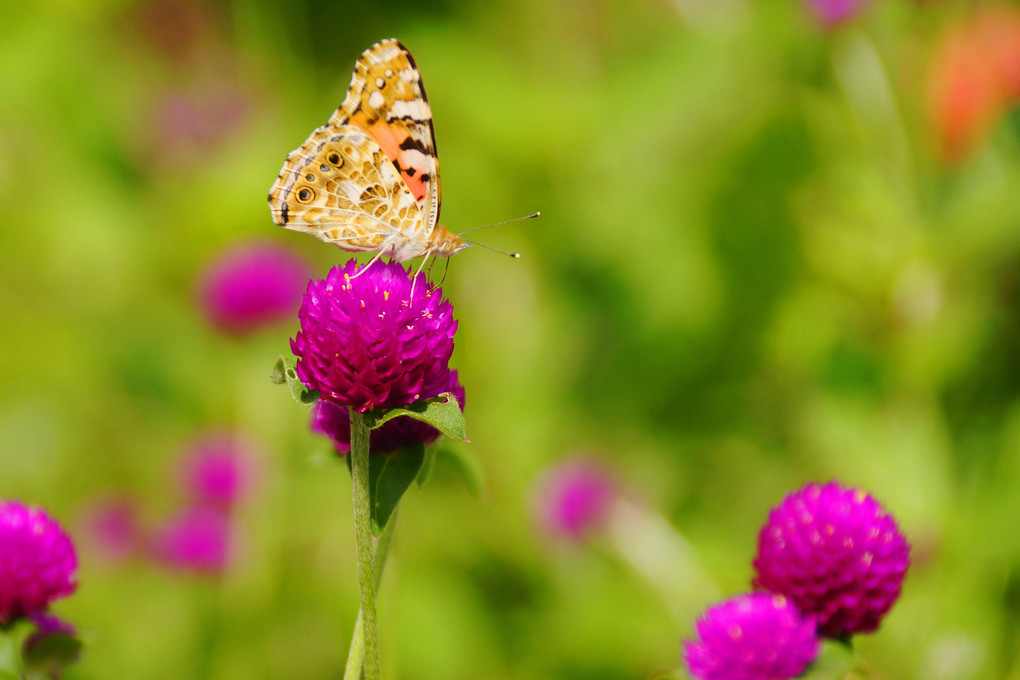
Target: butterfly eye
305	195
334	158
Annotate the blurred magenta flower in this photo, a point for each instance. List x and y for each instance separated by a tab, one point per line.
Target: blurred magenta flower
333	420
831	13
191	120
365	342
252	285
110	527
218	469
196	539
38	563
575	497
836	554
751	637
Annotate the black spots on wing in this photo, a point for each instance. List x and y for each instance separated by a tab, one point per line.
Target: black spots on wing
425	177
309	177
411	143
335	159
283	213
305	195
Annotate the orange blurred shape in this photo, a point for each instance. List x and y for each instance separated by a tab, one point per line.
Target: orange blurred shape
975	75
999	28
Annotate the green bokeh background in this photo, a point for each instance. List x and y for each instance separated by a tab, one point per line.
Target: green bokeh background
751	271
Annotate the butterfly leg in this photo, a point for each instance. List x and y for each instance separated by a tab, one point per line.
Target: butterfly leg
366	267
420	267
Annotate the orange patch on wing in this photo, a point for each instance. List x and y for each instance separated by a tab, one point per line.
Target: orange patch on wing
390	138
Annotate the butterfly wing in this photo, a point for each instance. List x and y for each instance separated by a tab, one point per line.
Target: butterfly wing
387	100
368	180
340	186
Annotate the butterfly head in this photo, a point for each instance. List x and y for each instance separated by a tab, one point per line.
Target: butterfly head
446	243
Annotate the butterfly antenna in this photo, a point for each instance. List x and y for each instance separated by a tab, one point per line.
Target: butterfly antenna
494	249
497	224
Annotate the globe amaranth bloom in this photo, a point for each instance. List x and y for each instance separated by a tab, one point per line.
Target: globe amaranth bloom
574	498
831	13
252	285
836	554
759	636
334	421
218	468
368	343
110	528
196	539
38	563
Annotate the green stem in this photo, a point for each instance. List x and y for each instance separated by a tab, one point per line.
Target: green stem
356	656
10	653
363	536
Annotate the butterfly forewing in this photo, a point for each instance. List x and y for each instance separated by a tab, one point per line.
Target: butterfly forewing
387	99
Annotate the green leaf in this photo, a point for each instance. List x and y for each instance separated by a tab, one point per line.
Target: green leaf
389	475
427	466
835	662
52	653
442	413
465	464
284	373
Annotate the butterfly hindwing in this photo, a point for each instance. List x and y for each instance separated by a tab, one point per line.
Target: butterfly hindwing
340	186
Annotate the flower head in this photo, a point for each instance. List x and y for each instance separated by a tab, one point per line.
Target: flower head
575	497
38	563
836	554
333	420
110	527
217	469
366	342
197	539
831	13
751	637
252	285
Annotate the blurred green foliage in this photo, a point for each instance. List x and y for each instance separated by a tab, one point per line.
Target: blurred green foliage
752	270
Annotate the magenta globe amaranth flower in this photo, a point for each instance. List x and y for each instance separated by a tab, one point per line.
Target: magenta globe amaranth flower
759	636
837	554
38	563
252	285
196	539
218	469
334	421
831	13
368	343
575	497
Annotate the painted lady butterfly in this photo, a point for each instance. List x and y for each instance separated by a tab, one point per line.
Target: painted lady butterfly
368	180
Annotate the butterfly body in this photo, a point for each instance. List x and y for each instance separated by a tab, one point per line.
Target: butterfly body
368	180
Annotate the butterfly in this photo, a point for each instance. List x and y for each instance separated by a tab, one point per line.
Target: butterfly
368	180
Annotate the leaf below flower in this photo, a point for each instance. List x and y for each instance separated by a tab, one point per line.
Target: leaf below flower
389	475
442	413
284	373
51	654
